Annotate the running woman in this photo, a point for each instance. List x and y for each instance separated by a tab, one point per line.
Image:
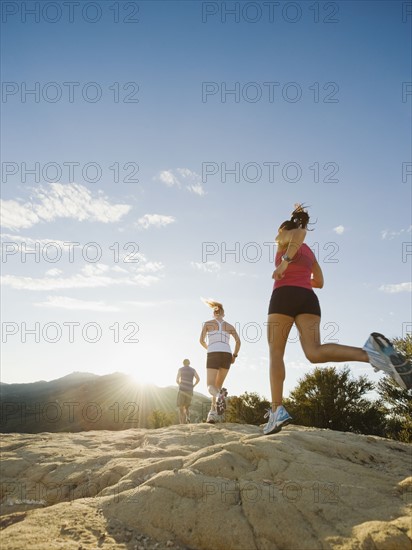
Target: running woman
293	300
184	378
219	357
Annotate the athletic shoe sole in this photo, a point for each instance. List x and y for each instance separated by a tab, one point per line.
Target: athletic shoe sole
400	368
278	428
221	403
220	407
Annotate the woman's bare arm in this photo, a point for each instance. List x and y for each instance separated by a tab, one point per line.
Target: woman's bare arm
202	338
317	276
232	331
297	237
295	241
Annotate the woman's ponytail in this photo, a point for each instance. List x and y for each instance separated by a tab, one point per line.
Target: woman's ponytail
216	306
298	219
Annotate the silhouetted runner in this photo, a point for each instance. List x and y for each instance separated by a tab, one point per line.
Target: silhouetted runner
185	377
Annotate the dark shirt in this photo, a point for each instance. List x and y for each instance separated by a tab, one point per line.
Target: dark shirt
187	375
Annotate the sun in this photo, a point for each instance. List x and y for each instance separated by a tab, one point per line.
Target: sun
143	377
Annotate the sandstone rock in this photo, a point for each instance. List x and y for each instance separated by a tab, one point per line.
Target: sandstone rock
206	487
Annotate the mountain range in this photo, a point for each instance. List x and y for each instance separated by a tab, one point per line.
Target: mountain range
83	401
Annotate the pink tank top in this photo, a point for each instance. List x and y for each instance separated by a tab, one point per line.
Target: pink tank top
299	271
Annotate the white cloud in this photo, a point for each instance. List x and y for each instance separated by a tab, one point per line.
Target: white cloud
50	249
197	189
53	272
207	267
183	177
119	269
14	239
60	201
64	302
186	173
16	216
133	257
156	220
90	276
139	304
394	288
339	229
150	267
167	177
389	235
95	269
17	246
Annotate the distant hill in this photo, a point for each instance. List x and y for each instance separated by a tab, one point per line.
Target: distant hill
83	401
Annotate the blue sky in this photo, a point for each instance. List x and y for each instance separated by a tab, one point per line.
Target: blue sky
133	141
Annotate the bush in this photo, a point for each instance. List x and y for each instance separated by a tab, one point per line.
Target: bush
160	419
248	408
328	398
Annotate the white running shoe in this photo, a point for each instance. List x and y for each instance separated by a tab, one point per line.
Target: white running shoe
277	420
383	356
212	417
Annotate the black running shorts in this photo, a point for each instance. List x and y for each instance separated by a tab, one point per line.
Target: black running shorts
293	300
219	360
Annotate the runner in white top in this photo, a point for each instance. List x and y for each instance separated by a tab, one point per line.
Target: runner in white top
218	340
219	356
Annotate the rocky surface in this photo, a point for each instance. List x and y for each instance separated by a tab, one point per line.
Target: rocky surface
205	487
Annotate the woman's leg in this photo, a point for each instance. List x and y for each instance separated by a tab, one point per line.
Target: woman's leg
220	378
277	332
309	332
211	377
